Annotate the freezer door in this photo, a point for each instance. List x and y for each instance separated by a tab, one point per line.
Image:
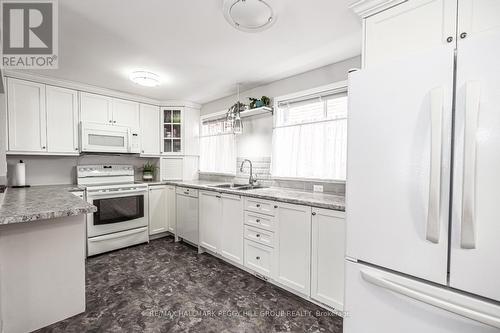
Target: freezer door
398	164
475	242
378	301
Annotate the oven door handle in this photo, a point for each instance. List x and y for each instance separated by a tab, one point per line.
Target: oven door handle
115	193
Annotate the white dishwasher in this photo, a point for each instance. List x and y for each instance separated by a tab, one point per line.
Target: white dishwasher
187	214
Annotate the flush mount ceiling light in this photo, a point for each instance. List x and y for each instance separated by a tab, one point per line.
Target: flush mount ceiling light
145	78
249	15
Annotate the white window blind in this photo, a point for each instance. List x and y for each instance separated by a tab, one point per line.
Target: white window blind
310	137
217	148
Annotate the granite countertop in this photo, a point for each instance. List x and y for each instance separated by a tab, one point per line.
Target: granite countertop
41	203
314	199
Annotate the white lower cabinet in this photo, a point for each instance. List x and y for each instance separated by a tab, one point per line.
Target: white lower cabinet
293	247
171	216
158	219
231	231
259	258
296	247
221	224
327	260
210	220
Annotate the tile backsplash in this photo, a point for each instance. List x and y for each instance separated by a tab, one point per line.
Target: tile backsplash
262	169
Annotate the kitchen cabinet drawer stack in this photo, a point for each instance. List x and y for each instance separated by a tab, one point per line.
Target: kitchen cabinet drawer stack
259	236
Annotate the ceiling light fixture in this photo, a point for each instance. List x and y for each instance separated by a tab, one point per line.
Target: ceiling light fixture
145	78
249	15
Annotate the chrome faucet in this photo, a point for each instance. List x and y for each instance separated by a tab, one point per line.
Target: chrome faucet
252	179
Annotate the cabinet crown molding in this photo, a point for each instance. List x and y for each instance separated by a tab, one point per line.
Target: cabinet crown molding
365	8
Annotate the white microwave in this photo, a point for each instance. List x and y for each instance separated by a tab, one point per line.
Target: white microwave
102	138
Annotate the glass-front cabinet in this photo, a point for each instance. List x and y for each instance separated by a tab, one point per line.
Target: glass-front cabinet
172	129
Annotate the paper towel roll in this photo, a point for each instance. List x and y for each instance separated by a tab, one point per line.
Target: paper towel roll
20	174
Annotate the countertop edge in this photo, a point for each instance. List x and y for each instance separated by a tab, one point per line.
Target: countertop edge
337	207
40	216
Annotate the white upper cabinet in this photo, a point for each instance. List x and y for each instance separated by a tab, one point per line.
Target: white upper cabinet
107	110
96	108
150	129
293	247
408	29
125	113
180	131
62	120
26	116
477	16
172	130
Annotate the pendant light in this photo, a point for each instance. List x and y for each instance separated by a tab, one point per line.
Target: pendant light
233	121
237	123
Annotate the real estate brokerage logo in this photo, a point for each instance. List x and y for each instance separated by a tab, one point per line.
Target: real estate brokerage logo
29	34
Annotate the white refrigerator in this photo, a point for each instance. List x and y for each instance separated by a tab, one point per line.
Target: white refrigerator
423	192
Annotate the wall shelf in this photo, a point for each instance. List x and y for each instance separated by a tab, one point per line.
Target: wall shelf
244	114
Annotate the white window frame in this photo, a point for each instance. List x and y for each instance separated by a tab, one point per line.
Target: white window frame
340	87
212	117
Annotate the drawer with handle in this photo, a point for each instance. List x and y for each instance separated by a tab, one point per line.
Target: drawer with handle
262	236
187	191
260	206
258	258
259	220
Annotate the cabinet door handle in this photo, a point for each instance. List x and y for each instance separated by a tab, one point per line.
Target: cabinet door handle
258	235
275	206
258	220
463	35
258	258
257	205
218	196
313	213
76	148
43	147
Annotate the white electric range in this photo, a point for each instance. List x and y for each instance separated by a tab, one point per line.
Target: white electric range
121	219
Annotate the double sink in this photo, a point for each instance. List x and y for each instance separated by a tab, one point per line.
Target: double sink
240	187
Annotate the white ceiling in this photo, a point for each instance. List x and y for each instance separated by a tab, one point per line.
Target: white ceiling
191	46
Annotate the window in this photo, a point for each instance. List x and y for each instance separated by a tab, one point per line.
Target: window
310	136
217	148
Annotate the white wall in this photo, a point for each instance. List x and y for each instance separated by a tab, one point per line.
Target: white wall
256	140
53	170
315	78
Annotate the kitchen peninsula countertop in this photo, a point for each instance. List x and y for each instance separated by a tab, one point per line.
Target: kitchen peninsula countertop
314	199
36	203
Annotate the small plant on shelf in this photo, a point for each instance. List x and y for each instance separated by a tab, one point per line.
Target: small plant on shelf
148	171
258	103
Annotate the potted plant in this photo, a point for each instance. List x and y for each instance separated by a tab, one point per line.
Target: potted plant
258	103
148	171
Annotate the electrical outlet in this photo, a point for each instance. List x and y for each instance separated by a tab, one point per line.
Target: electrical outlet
318	188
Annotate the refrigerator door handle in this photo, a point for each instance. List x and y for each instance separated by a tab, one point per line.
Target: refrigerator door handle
468	225
434	208
420	296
